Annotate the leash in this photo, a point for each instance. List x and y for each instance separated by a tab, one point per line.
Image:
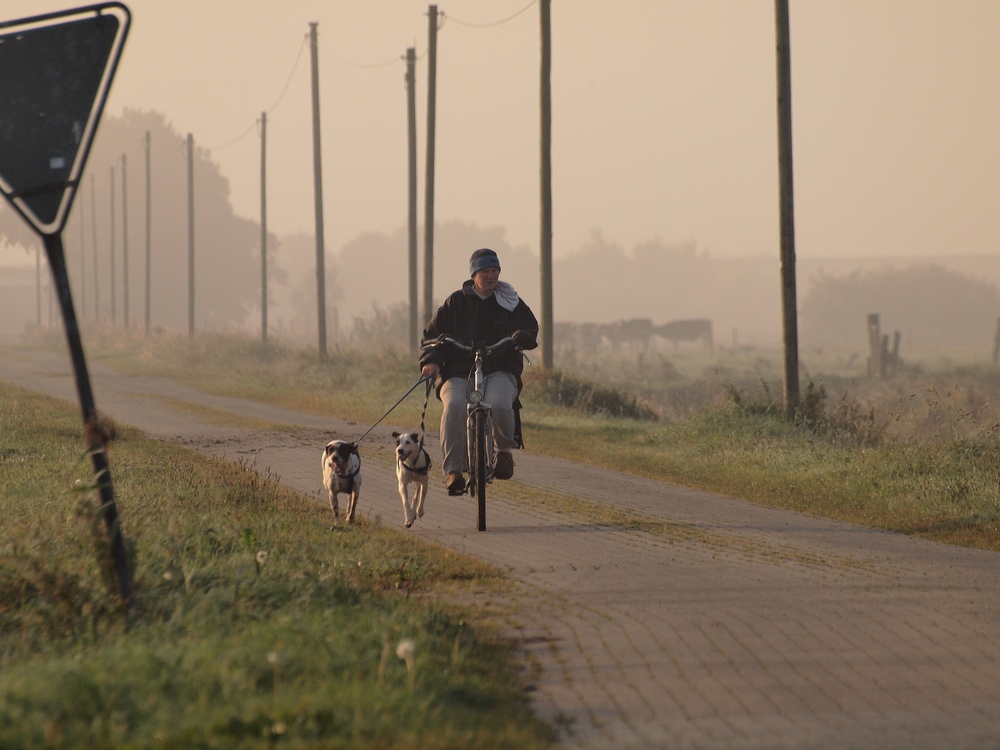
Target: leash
412	388
427	397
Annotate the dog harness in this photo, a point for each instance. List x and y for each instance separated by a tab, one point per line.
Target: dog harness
424	470
350	477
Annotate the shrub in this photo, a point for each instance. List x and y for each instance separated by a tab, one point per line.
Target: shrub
557	388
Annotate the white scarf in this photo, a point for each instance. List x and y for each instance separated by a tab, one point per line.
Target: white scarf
506	296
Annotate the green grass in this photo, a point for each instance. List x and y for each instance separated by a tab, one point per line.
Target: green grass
254	625
949	492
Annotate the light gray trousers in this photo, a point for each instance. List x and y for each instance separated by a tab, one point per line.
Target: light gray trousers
500	392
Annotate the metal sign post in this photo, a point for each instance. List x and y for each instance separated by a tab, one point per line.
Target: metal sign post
55	73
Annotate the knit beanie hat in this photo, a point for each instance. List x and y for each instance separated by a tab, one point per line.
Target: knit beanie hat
483	258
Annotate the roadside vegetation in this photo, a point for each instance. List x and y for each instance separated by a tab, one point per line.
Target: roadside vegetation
918	454
254	624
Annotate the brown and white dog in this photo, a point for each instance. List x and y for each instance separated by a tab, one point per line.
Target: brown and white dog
342	473
412	467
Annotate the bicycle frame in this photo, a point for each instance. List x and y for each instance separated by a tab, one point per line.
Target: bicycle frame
481	446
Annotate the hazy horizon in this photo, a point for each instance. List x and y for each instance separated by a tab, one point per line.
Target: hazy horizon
664	117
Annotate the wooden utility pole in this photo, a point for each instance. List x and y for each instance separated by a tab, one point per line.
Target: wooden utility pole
125	310
545	244
318	193
111	234
263	228
190	159
149	234
411	141
787	214
429	187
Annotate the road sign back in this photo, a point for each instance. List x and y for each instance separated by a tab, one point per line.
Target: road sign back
55	72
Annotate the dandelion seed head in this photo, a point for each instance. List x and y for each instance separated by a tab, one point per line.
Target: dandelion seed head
405	649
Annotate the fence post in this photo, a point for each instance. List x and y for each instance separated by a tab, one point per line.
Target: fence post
874	346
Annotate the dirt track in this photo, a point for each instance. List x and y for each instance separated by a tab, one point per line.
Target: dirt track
733	627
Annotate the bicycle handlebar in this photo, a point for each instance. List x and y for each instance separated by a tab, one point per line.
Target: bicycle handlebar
444	338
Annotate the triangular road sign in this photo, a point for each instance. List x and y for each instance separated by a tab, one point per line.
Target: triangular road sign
55	72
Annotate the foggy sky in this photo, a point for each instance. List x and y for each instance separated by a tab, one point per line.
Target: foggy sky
664	116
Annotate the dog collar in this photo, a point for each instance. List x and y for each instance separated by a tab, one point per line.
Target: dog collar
353	473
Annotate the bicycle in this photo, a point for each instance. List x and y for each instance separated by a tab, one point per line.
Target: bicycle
479	423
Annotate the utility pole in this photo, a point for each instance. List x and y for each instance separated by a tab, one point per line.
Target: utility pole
545	245
318	193
111	234
263	228
411	130
149	206
787	214
124	246
429	188
190	165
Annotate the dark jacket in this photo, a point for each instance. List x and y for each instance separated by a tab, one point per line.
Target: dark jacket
471	319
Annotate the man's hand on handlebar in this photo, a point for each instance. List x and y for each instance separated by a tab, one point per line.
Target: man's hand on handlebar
523	339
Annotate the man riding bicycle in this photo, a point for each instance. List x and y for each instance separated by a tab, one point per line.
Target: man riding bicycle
484	310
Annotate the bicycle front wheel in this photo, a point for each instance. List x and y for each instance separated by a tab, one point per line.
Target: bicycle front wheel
480	470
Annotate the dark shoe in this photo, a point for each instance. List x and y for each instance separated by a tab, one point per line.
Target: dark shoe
505	466
454	483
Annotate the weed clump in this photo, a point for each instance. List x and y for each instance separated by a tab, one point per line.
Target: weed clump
558	388
848	421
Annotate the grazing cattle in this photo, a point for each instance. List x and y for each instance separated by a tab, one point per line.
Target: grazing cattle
635	333
698	329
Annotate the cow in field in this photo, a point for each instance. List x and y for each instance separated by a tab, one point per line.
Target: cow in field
697	329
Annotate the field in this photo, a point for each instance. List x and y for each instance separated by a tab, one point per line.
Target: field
249	631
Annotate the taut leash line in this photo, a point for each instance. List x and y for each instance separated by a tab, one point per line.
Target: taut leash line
427	397
428	381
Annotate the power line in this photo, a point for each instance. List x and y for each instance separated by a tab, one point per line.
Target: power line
295	66
368	66
274	106
491	23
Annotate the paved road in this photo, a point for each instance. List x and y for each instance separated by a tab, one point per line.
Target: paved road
728	626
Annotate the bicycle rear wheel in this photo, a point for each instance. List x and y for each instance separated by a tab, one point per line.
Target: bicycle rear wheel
480	470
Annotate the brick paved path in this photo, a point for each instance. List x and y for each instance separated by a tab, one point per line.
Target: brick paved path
729	626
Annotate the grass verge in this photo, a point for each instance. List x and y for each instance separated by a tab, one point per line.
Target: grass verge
254	626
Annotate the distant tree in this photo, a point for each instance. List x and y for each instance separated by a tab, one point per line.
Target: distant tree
294	296
372	267
227	247
929	305
600	282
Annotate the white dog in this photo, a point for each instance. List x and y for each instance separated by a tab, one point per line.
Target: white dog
342	473
412	467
